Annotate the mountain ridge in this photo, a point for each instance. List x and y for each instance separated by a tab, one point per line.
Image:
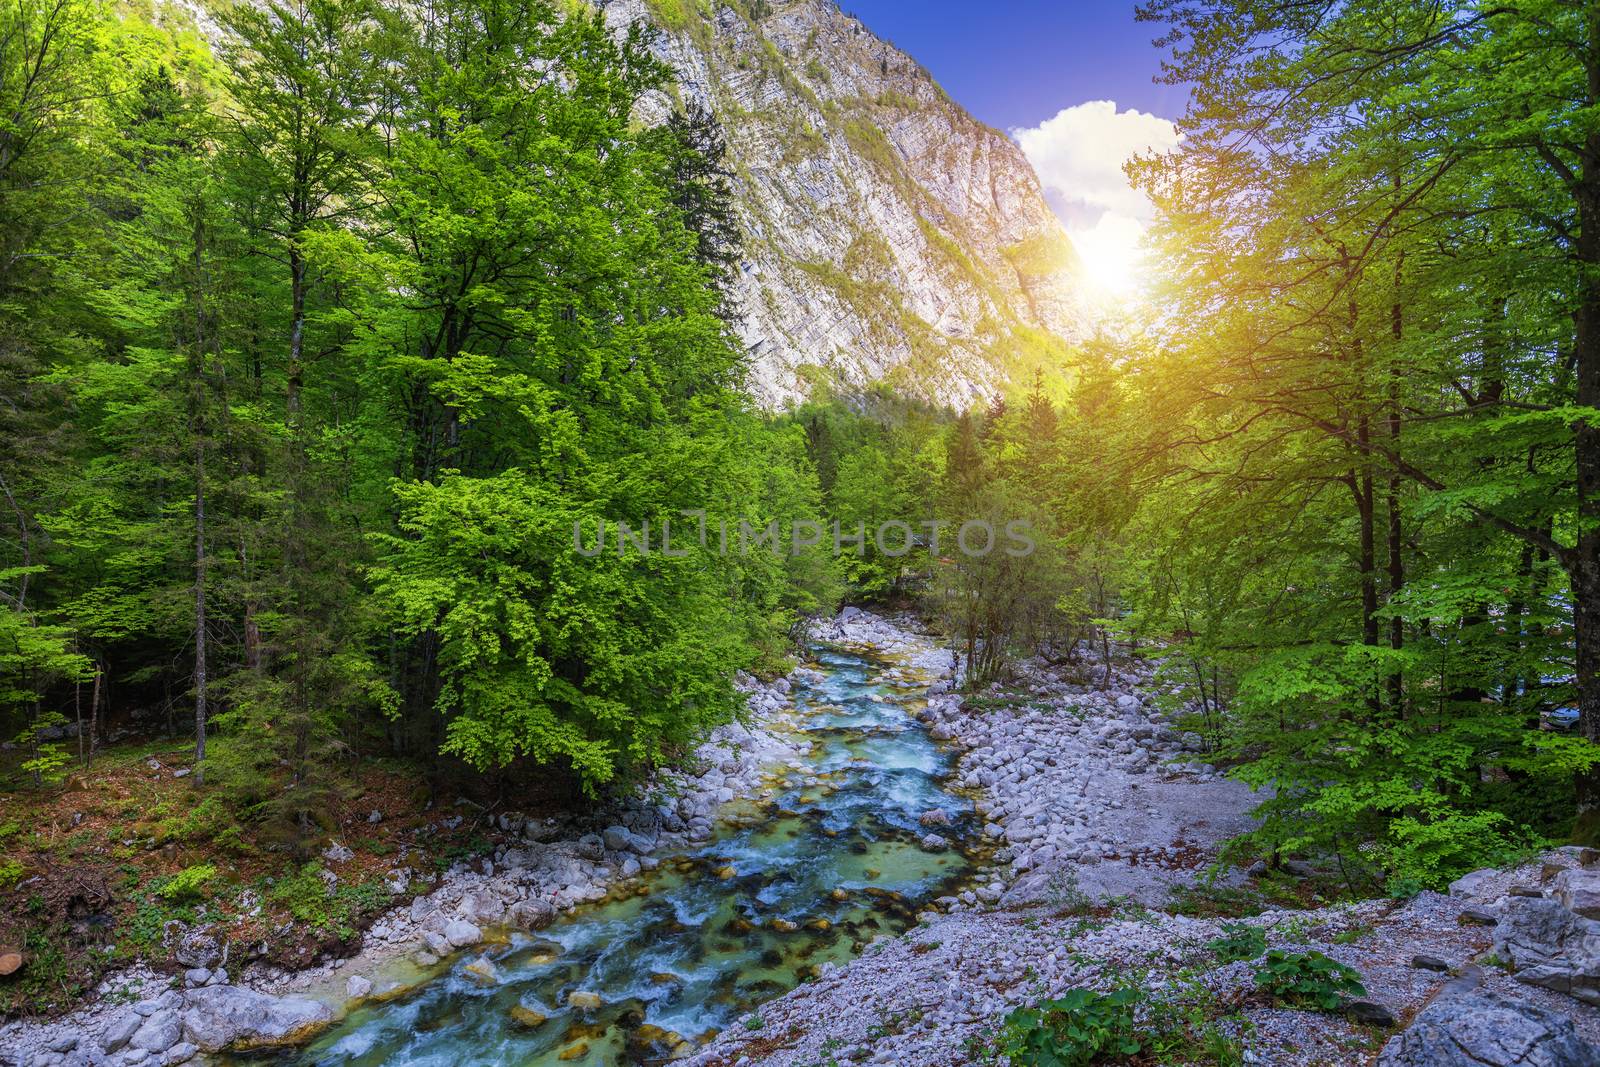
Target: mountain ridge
889	235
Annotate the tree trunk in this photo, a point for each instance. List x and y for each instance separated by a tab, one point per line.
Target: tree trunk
1369	552
297	327
1584	561
1397	565
199	613
94	712
1105	650
202	337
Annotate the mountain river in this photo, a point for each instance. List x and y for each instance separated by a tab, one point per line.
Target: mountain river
792	881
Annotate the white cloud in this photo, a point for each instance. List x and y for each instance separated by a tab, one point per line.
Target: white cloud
1078	155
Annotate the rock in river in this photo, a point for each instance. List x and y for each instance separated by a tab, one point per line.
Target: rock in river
461	933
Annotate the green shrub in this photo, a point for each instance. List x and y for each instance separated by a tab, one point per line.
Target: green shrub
10	873
1191	1024
1206	900
1239	941
1429	854
1308	979
187	884
304	894
1074	1030
337	906
1352	935
1066	897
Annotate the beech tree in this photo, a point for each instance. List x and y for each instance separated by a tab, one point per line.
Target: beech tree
1385	246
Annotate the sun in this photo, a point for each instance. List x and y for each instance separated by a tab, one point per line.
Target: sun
1111	253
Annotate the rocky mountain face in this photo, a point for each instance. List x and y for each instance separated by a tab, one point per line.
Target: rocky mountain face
889	236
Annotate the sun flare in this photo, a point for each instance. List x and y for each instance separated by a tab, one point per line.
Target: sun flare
1111	253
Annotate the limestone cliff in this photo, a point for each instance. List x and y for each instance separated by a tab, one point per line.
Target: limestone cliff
889	235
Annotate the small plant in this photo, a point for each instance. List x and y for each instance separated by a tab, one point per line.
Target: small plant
187	884
1081	928
1308	979
1127	909
1239	942
304	894
10	873
1074	1030
753	1022
1208	901
1403	886
1064	896
1190	1024
1352	935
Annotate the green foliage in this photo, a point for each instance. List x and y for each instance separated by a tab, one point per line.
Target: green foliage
312	897
518	634
11	872
1308	979
49	984
330	413
1367	543
1239	941
305	895
674	14
1076	1029
1351	936
316	351
33	657
188	884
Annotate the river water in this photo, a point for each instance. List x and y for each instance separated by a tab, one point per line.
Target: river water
805	877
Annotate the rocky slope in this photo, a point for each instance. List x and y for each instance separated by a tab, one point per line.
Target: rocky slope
889	235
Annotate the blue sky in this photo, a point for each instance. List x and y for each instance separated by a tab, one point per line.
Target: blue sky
1073	83
1018	62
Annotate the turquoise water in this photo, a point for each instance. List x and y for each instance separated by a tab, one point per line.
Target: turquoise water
805	878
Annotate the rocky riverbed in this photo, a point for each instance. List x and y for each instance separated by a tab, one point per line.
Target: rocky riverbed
1095	836
551	866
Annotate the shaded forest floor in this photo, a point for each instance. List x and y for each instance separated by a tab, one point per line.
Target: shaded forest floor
98	870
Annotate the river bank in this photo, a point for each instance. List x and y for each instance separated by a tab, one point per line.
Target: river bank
552	866
1102	882
143	1014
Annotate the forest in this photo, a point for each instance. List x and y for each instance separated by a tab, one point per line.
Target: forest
316	345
